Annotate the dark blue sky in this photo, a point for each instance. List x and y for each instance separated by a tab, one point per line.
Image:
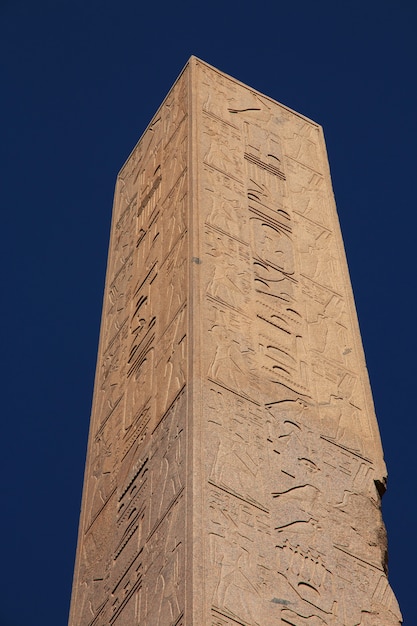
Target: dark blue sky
80	81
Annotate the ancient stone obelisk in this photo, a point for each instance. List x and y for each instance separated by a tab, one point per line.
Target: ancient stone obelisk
234	467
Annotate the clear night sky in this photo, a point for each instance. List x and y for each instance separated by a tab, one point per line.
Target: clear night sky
80	81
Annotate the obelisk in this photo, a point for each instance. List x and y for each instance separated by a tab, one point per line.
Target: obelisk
234	468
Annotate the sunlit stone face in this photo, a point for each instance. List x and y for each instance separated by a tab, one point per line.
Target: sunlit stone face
234	449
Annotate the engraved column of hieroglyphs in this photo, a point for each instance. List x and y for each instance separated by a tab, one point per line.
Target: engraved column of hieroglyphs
163	598
134	571
94	559
149	586
143	169
335	371
239	566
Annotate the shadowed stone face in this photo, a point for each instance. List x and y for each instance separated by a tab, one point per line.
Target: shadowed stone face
234	455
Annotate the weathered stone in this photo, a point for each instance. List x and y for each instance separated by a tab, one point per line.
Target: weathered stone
234	465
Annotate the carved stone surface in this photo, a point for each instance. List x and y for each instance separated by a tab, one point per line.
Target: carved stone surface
234	469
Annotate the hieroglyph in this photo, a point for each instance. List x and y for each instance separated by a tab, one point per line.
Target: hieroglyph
234	469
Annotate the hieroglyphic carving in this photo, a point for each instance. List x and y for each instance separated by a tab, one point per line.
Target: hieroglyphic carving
135	472
95	567
221	143
281	347
167	461
233	442
232	364
175	217
302	140
241	578
307	192
175	156
226	210
325	511
163	596
236	451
